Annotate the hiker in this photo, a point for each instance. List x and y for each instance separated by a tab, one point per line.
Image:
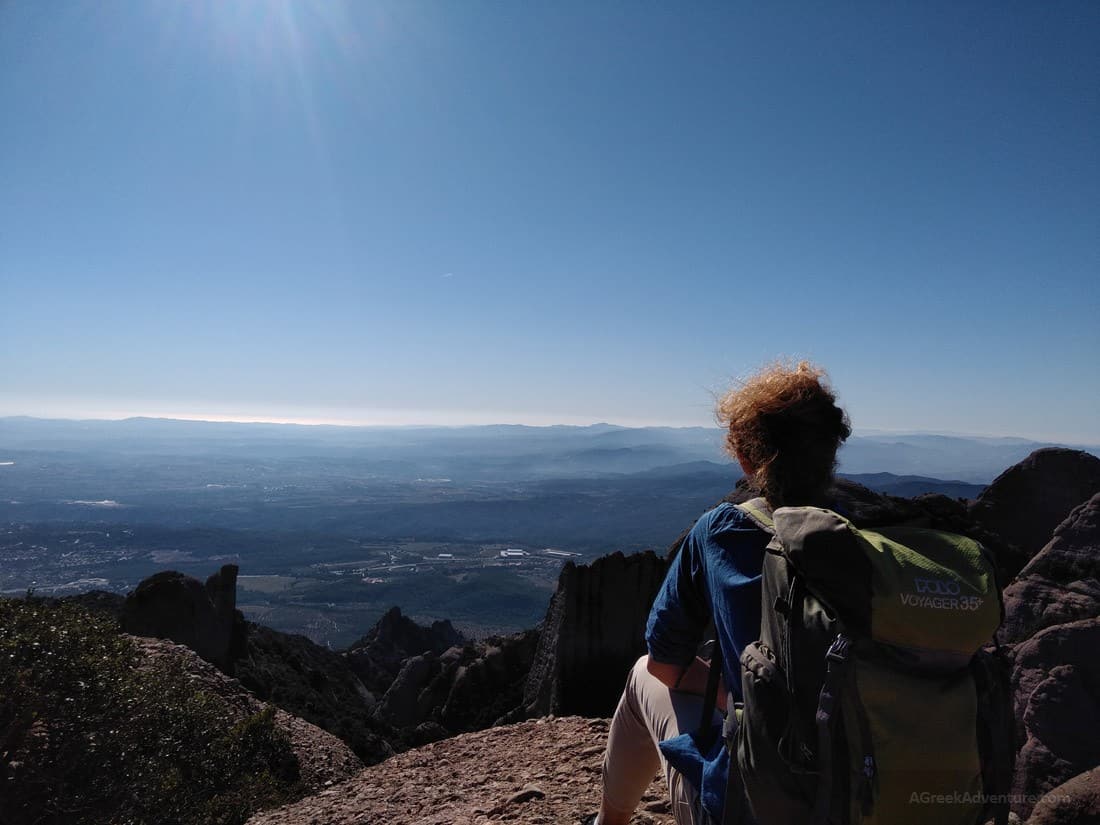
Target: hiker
784	427
859	668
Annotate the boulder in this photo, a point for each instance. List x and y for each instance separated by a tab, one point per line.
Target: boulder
1051	616
1028	500
171	605
1062	582
1055	679
1076	802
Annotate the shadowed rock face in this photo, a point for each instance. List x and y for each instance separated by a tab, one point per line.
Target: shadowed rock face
429	694
1062	583
466	688
378	657
205	618
1028	500
315	683
489	681
593	633
406	704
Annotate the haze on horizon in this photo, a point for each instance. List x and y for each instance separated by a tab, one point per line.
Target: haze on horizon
433	213
411	420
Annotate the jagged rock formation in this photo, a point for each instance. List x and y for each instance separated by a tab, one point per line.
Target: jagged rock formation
540	772
489	681
378	657
323	759
1062	582
1028	500
430	682
205	618
466	688
593	633
317	684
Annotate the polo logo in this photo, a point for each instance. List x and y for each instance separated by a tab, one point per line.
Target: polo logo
937	587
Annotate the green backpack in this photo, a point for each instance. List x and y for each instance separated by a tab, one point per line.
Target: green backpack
872	695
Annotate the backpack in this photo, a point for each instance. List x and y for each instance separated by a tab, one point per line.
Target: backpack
872	695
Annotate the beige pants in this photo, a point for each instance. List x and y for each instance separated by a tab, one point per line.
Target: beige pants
648	712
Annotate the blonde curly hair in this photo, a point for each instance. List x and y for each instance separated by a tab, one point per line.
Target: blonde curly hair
784	421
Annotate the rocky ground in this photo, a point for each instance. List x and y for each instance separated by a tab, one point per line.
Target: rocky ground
542	772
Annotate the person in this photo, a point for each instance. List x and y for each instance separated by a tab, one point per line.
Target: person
784	427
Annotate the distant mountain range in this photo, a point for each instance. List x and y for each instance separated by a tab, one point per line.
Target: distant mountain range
497	452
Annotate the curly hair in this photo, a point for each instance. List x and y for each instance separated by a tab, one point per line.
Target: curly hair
784	420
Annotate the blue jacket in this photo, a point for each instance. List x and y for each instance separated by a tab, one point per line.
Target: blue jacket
715	575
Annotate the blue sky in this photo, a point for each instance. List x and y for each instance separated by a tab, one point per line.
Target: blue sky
550	212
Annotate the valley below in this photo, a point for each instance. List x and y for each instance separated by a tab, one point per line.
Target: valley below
332	526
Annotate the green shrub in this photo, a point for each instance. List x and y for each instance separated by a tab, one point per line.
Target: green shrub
88	736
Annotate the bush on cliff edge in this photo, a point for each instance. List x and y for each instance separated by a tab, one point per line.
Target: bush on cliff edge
86	735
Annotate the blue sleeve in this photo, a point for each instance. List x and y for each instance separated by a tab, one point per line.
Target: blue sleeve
681	611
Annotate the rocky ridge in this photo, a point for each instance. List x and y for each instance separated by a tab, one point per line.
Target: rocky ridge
379	656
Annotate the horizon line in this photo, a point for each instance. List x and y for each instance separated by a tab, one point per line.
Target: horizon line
354	424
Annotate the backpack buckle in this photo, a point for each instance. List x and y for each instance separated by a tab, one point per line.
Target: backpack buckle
838	650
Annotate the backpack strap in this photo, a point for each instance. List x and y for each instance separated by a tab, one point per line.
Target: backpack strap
827	706
736	804
705	734
760	512
997	723
837	698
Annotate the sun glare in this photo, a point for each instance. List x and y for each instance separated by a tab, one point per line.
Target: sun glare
276	50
